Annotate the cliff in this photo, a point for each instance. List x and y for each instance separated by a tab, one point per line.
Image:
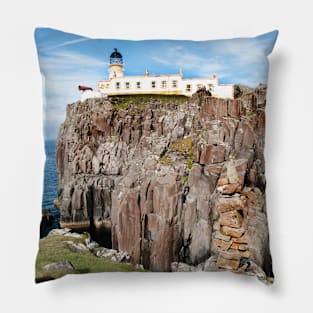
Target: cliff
180	182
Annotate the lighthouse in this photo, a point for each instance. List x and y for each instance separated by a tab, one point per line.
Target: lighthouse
116	67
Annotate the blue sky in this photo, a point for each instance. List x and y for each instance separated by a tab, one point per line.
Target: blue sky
67	60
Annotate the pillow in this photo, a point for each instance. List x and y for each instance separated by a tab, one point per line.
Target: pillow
154	155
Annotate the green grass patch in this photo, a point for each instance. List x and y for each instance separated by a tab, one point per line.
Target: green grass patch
141	101
190	161
165	160
185	179
251	113
119	106
183	146
111	139
54	249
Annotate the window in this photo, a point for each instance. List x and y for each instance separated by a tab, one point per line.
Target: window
127	85
164	84
138	85
199	86
117	85
174	83
188	88
153	84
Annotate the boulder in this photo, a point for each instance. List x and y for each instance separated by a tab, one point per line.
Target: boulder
74	235
76	245
227	263
91	244
111	254
210	264
59	266
183	267
61	231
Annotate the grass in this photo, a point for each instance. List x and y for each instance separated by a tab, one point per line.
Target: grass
141	101
184	147
165	160
251	113
131	103
185	179
190	161
120	106
54	249
111	138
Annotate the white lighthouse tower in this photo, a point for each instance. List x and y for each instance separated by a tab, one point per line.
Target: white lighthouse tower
116	67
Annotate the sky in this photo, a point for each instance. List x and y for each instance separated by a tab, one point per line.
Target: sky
68	60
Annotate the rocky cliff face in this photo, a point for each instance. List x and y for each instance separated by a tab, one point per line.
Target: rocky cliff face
179	181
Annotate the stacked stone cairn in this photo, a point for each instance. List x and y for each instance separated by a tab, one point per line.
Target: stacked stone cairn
230	211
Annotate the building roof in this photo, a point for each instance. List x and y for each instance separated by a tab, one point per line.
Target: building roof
116	57
159	76
116	54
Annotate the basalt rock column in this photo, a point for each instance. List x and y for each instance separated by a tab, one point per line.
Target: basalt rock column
176	179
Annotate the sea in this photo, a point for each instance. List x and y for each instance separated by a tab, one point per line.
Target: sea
50	188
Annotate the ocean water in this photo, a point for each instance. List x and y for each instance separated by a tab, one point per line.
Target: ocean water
50	188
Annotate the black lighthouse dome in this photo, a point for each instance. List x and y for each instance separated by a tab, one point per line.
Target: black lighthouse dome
116	57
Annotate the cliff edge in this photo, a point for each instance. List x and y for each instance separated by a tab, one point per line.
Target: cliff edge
180	182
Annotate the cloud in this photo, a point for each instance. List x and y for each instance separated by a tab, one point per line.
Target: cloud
241	61
178	57
63	72
63	44
68	60
244	52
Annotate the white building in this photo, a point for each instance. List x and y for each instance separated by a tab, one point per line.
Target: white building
166	84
